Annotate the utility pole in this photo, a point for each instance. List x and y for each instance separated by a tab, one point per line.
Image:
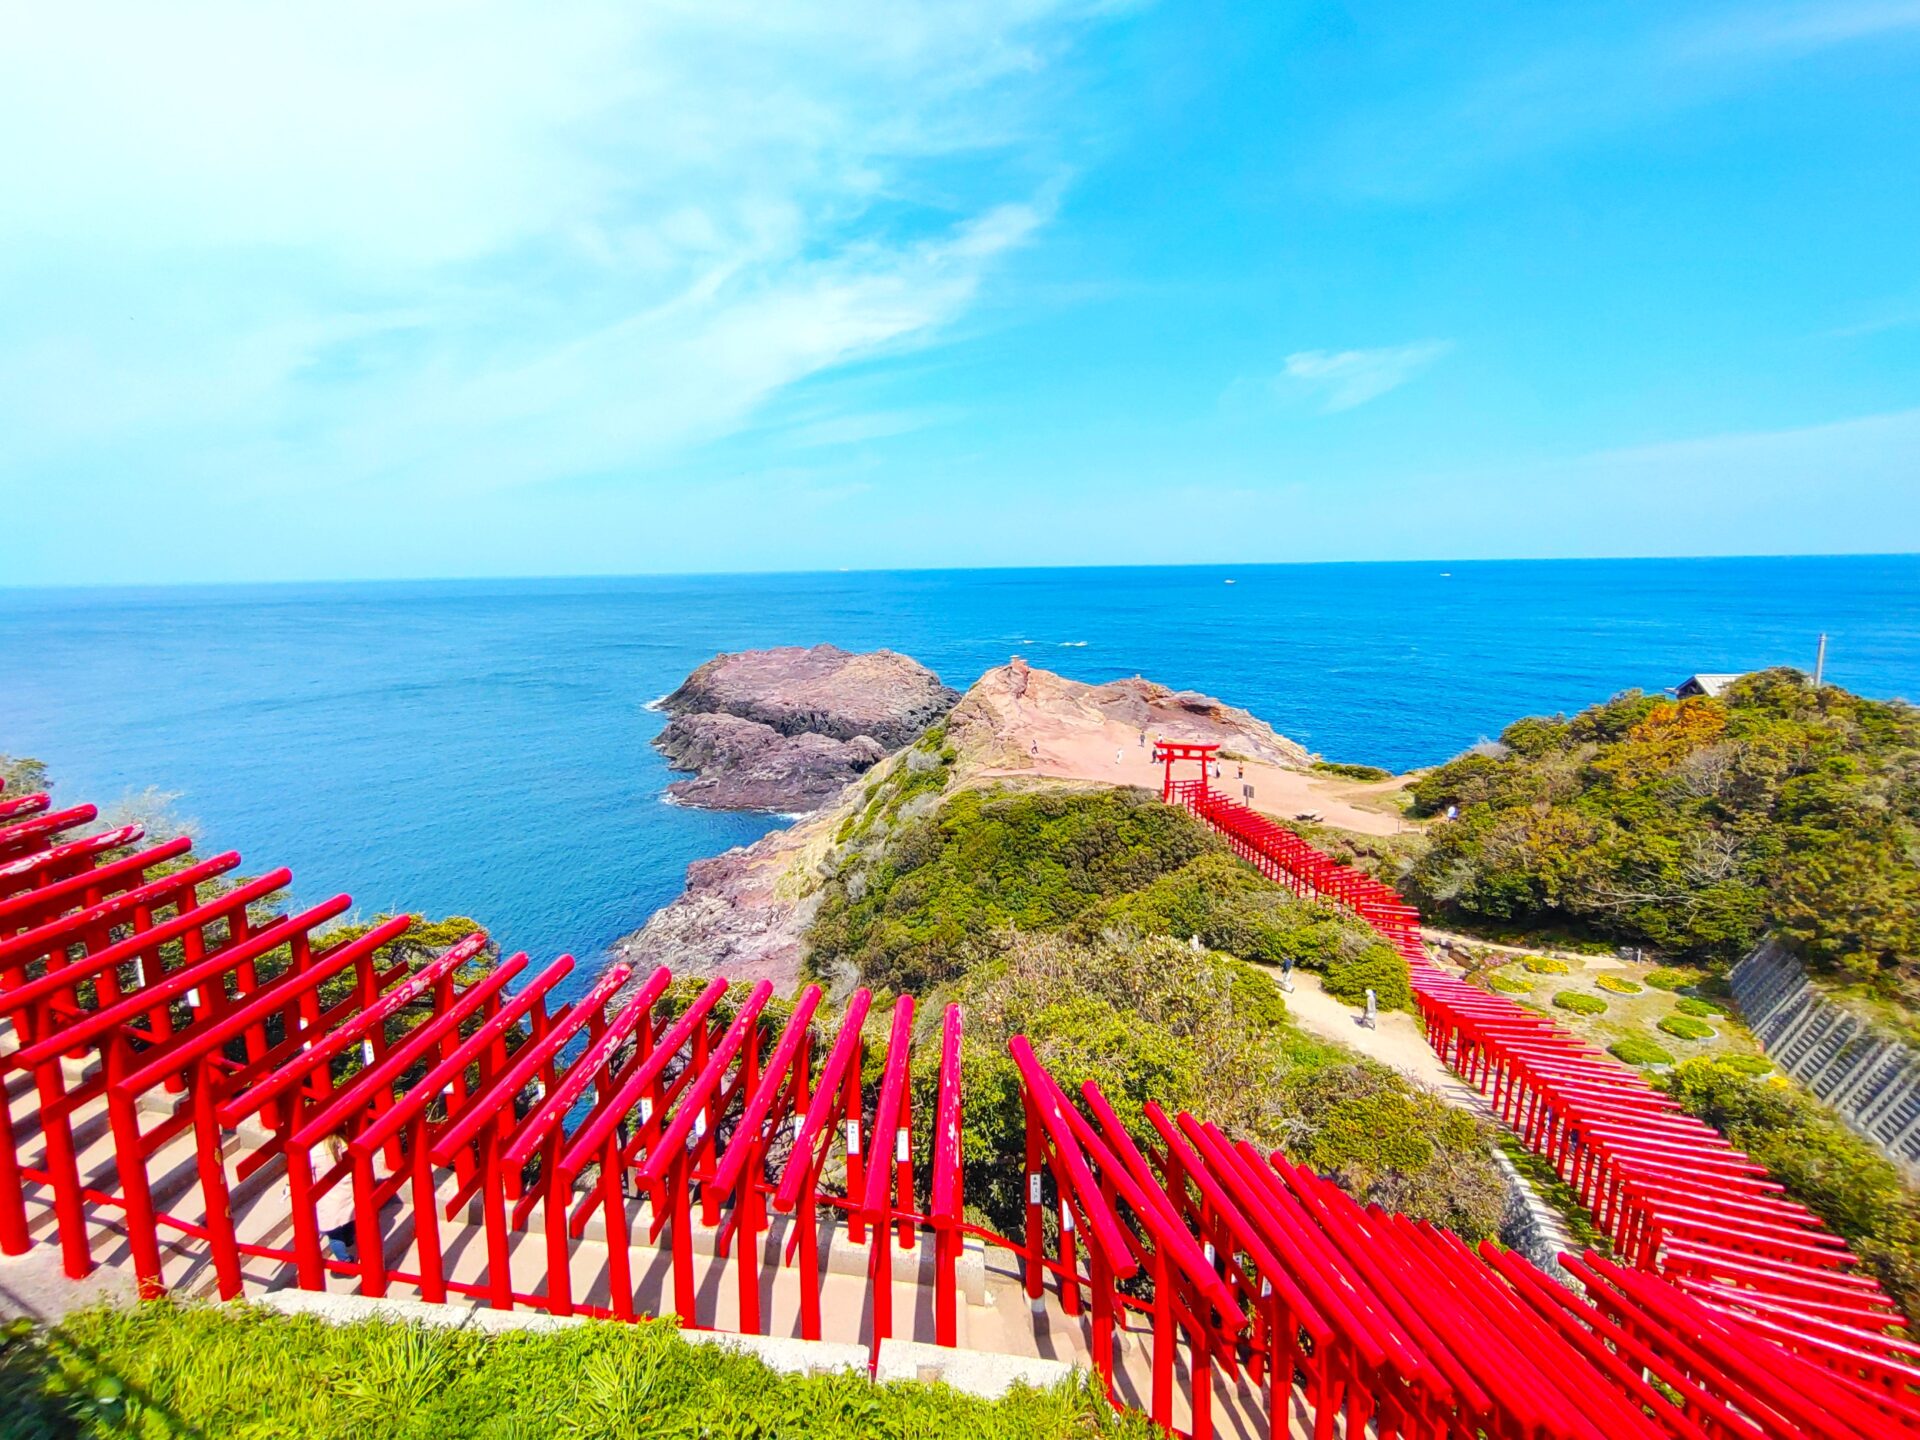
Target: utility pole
1820	661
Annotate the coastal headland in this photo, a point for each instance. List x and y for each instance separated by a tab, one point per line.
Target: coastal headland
745	913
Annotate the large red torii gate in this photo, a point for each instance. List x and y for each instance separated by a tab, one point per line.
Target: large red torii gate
1173	752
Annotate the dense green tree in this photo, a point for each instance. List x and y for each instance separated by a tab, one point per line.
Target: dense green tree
1694	826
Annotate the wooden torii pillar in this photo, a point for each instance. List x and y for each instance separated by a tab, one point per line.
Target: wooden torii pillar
1172	751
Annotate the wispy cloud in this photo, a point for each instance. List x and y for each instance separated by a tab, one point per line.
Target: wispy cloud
1344	379
437	250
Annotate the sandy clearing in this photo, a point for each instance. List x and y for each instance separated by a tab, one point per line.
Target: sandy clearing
1115	755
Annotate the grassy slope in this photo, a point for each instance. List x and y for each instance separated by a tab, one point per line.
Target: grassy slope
1062	913
227	1371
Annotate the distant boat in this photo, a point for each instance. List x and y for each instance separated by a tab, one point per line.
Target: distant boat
1229	582
1446	574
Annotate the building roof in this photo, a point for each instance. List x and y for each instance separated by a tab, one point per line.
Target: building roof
1706	684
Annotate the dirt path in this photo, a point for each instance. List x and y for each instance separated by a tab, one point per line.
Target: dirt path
1397	1041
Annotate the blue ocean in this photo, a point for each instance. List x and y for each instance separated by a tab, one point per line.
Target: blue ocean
480	747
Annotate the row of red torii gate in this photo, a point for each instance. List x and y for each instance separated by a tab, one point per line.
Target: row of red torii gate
200	1090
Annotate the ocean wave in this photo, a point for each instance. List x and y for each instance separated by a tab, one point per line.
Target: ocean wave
1073	644
658	704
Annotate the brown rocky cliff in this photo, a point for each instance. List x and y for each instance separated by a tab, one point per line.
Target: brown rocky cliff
823	690
1014	707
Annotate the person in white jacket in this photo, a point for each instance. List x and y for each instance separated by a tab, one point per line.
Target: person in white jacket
334	1211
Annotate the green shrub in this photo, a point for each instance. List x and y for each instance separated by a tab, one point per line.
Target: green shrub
1351	772
1617	984
1750	1065
1580	1003
918	910
918	913
1686	1027
1824	1165
1378	968
166	1370
1546	965
1668	978
1638	1050
1150	1019
1233	909
1505	984
1693	1005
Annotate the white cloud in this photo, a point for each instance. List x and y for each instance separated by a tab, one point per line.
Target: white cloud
443	247
1343	379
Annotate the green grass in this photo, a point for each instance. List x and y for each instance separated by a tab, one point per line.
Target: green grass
1351	772
1700	1009
1668	977
1506	984
1579	1003
1685	1027
1558	1195
162	1370
1638	1050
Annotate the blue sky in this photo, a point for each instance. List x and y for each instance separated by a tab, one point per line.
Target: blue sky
345	290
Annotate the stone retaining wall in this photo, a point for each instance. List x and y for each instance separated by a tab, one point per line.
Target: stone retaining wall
1872	1080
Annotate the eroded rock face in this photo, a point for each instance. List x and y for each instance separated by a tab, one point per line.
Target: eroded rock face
741	916
822	690
1015	711
786	729
744	765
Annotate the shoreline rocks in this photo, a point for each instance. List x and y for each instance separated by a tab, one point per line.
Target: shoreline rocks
786	729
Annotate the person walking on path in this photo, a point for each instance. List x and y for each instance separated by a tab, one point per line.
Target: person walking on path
1373	1010
334	1211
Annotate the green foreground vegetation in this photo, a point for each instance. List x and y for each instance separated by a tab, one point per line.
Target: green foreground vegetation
166	1372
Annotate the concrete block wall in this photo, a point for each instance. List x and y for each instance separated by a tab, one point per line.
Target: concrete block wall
1870	1079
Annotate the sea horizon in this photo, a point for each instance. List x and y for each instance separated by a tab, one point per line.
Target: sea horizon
480	746
121	587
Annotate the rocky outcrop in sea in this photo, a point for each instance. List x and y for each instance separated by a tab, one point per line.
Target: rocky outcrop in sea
786	729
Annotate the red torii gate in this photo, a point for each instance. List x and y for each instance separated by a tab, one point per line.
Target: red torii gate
1256	1266
1171	753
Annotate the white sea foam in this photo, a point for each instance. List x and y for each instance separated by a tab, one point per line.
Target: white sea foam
659	704
1073	644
